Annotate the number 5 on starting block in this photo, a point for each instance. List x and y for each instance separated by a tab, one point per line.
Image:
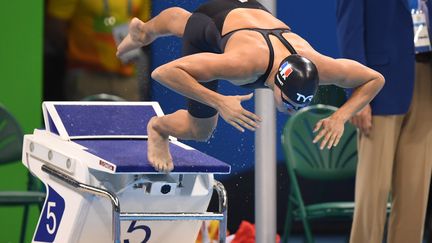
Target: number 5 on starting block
51	217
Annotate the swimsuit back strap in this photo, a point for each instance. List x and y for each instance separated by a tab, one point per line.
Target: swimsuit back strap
278	33
265	33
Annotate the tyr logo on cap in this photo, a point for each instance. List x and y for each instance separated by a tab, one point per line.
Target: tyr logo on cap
285	70
304	98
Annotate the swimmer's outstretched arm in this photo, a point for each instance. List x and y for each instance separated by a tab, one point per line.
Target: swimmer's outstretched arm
182	76
171	21
344	73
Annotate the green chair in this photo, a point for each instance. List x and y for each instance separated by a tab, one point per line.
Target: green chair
11	139
305	159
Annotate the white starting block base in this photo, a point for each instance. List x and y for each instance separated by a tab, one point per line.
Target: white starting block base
94	199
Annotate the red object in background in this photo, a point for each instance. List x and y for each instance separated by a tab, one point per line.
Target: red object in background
246	233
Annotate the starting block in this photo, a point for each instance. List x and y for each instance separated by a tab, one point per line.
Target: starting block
92	158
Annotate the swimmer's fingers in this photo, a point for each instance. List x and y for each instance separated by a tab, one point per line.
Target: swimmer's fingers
320	134
251	116
331	131
234	124
251	122
246	123
246	112
318	126
233	113
327	137
336	142
336	138
243	121
245	97
332	140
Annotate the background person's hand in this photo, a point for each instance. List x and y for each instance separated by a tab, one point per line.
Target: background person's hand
330	130
363	120
232	112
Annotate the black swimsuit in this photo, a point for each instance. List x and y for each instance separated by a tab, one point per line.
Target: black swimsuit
203	34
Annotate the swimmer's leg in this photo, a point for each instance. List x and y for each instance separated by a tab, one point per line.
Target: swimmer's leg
182	124
171	21
179	124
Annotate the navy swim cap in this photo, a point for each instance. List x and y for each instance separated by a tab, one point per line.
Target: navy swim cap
298	79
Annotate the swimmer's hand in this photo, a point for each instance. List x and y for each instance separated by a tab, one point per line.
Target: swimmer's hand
363	120
331	130
232	112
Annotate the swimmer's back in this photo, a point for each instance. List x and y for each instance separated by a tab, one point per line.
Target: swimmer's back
251	18
229	15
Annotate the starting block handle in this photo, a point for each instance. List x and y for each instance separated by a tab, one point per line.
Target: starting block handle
117	216
115	202
223	209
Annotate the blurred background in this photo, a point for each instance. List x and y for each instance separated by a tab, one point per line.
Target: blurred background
46	53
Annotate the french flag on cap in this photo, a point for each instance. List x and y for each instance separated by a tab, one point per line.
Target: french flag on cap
285	70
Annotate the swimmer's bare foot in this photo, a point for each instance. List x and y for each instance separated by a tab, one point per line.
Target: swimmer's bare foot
158	149
138	36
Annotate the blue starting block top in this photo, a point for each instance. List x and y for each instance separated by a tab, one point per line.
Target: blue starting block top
99	119
131	156
116	132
